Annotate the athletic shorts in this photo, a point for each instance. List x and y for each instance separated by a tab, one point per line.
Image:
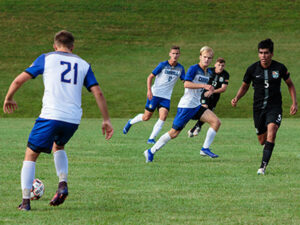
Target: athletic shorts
211	102
265	116
157	102
45	132
184	115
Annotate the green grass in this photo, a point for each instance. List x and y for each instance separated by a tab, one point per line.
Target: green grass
125	40
110	183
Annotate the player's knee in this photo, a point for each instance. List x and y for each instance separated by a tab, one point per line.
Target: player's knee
216	124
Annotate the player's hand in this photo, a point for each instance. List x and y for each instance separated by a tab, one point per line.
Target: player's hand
9	106
149	95
208	93
107	129
293	109
209	87
234	102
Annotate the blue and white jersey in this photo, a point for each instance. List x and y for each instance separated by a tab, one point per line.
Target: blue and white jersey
64	74
165	79
191	97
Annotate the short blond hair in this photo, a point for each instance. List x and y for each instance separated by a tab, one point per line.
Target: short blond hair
206	49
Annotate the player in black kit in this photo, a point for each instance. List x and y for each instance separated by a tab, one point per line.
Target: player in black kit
266	75
219	80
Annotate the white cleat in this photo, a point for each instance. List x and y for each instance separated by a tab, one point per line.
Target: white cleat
261	171
190	134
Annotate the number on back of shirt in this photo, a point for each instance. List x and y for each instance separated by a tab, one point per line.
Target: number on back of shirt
69	70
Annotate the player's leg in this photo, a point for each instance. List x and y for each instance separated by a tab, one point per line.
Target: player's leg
163	114
164	139
40	140
63	133
27	177
197	127
182	117
209	117
149	109
273	121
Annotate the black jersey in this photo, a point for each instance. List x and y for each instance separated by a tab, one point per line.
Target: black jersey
217	80
266	84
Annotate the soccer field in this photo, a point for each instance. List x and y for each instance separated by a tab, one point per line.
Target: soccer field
110	183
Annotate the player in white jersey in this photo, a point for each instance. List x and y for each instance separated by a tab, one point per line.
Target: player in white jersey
189	107
166	75
64	74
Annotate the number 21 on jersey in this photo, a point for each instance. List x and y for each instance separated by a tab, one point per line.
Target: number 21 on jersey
67	71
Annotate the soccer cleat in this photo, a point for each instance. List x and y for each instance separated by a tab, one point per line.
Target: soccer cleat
25	206
190	133
197	131
148	155
151	141
261	171
60	195
207	152
127	127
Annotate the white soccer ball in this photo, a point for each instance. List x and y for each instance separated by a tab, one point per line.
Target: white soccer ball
37	189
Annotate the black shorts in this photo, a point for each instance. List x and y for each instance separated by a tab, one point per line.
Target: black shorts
211	102
265	116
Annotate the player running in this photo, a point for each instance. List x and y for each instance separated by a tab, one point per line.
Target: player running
219	81
166	75
64	74
189	106
266	75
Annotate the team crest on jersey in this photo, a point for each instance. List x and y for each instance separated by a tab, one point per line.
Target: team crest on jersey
150	106
221	79
275	74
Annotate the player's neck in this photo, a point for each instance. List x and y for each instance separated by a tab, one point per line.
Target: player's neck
172	62
67	50
204	68
265	65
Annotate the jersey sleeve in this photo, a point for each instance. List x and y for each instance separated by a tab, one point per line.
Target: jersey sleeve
226	77
182	76
190	74
37	67
90	79
284	73
248	75
158	69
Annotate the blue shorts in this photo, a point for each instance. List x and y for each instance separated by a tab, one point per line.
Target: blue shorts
184	115
45	132
157	102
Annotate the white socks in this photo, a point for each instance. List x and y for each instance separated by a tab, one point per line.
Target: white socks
137	118
61	165
164	139
210	135
27	177
157	127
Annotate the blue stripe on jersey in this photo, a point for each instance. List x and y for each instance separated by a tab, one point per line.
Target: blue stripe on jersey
90	79
159	68
37	66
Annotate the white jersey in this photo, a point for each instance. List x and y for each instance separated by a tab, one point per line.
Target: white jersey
191	97
64	74
165	79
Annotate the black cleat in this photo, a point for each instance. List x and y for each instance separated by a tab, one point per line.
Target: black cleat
25	205
61	194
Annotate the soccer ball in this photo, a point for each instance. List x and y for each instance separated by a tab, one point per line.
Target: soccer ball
37	189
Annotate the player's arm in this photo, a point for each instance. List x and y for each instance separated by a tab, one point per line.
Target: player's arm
149	83
241	92
222	88
9	105
292	90
192	85
101	102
